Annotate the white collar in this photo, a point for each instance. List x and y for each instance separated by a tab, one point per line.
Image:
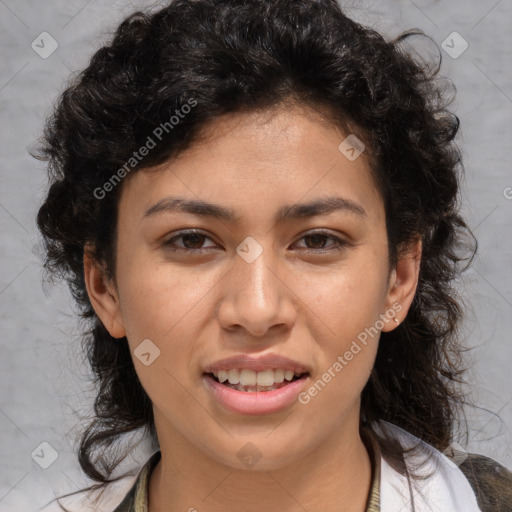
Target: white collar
446	490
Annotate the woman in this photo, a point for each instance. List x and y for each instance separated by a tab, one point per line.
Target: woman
255	205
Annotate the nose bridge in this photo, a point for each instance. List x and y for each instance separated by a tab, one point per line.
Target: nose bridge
254	296
256	281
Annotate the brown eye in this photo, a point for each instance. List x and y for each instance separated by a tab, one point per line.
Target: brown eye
317	242
191	241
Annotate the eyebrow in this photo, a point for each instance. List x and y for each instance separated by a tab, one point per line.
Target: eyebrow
321	206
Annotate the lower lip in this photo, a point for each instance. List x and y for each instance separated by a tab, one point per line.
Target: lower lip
259	402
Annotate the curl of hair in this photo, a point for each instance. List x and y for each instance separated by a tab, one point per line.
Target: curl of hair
240	57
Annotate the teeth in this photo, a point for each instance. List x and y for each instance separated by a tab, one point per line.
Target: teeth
248	377
265	378
233	376
279	375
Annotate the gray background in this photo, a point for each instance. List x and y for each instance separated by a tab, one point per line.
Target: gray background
44	381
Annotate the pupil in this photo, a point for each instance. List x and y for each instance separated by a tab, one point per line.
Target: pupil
194	236
319	239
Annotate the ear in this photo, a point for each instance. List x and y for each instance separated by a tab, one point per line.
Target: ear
103	295
402	285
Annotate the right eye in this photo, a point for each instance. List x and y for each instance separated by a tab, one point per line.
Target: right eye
193	238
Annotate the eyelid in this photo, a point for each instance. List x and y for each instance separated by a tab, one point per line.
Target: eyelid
340	242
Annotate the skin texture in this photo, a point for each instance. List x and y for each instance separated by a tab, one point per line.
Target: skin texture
296	299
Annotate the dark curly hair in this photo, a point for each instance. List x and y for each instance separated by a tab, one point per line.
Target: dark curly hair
229	56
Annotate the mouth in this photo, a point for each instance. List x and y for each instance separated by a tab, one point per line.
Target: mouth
251	385
250	381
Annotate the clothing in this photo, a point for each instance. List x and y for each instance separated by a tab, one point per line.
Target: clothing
478	484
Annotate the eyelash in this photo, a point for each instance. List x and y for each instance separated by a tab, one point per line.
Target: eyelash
340	244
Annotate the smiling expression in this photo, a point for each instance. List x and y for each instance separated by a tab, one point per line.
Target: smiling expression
261	241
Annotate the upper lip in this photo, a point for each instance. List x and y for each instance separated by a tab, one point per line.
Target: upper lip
257	364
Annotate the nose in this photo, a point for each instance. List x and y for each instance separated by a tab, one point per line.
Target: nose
256	297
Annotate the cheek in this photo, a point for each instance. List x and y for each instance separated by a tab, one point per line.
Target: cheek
159	301
167	307
348	299
344	310
347	336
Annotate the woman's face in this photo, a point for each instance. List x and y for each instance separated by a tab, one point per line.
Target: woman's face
273	278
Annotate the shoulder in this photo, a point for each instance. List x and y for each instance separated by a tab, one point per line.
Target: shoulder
478	480
127	494
87	501
136	500
491	482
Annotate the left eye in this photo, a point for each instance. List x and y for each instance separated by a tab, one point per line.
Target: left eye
194	240
320	238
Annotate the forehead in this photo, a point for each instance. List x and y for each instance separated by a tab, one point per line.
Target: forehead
282	156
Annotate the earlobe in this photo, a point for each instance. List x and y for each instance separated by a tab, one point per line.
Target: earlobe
103	296
402	285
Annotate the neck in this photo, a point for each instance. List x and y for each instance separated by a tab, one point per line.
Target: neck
336	472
